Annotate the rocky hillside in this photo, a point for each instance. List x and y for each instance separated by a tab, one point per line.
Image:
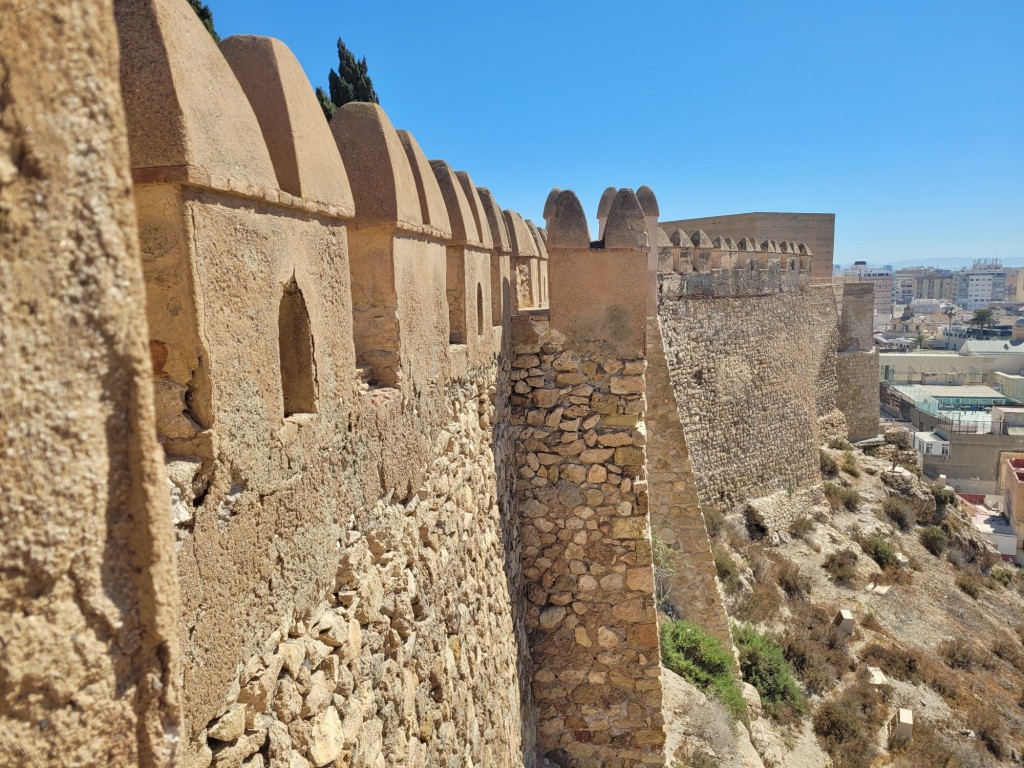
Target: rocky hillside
938	628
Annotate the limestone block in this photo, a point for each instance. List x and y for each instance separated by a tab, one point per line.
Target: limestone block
326	739
230	725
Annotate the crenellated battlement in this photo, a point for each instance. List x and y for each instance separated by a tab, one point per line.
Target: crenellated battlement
409	439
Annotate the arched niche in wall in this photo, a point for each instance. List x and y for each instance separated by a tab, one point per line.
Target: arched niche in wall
295	343
479	310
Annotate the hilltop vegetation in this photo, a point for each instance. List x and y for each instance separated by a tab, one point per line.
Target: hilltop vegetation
946	639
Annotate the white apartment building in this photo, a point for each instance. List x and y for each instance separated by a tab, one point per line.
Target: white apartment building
981	285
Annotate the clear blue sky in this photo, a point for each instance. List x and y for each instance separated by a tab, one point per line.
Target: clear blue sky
905	118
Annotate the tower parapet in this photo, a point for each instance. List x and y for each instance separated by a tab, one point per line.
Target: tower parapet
578	375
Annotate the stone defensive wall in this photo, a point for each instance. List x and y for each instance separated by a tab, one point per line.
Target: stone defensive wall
578	407
327	312
316	456
752	347
815	229
284	514
857	360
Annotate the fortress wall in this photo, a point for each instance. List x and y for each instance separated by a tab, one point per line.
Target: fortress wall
582	494
857	361
815	229
744	371
858	392
687	582
340	464
89	665
823	313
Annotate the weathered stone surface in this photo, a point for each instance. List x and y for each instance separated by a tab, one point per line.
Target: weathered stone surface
592	610
90	667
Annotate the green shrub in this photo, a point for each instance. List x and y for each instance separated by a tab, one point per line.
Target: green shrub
728	571
764	666
841	497
847	725
878	549
829	467
839	444
911	467
1002	576
944	497
841	565
793	583
704	662
934	539
849	465
901	513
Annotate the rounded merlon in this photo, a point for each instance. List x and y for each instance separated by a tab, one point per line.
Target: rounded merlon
460	213
432	207
495	220
306	160
605	204
679	238
476	207
183	104
663	241
567	227
539	241
383	185
549	204
521	238
626	227
700	239
648	201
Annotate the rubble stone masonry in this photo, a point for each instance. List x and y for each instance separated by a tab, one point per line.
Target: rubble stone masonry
586	547
578	406
687	582
285	482
744	374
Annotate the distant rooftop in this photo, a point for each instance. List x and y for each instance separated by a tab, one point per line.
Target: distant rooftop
993	347
961	391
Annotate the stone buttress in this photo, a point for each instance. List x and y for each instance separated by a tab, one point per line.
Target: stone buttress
578	405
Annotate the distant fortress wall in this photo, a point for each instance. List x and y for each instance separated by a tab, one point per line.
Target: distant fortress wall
817	230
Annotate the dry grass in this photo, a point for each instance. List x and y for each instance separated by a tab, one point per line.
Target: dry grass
796	585
816	648
969	583
841	565
846	725
931	748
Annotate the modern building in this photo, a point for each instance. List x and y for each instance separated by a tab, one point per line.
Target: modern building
1013	493
903	285
935	284
881	278
981	285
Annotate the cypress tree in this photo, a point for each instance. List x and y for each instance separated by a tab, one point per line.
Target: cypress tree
351	82
206	16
